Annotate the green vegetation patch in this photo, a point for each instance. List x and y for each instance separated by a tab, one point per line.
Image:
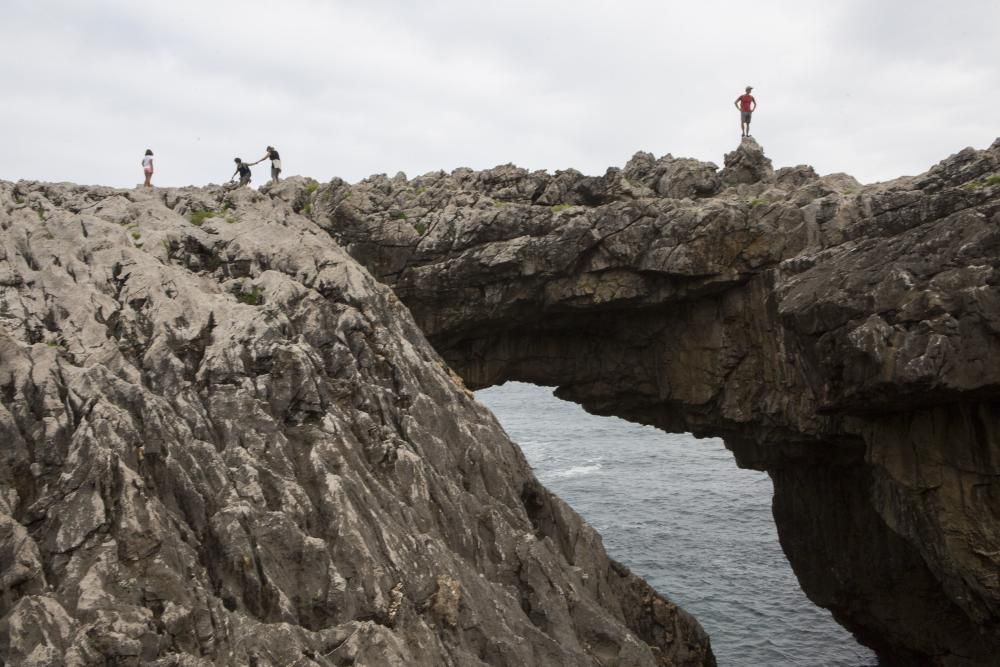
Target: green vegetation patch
199	217
561	207
254	297
312	186
397	215
988	181
420	227
758	201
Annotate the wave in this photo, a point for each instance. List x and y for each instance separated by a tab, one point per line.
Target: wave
575	471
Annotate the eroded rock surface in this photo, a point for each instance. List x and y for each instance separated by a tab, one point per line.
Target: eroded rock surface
223	442
845	338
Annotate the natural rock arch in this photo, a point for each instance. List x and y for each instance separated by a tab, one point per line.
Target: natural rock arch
844	338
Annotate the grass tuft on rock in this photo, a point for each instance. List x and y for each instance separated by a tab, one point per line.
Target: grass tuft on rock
199	217
986	182
254	297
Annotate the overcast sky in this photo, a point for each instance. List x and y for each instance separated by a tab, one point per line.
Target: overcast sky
876	88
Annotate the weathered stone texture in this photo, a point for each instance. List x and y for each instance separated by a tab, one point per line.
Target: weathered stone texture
226	443
845	338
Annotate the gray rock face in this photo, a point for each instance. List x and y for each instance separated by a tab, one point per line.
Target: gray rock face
746	164
844	338
223	442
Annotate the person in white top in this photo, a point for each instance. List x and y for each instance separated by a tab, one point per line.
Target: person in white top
147	168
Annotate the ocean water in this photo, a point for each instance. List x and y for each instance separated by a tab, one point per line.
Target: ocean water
678	512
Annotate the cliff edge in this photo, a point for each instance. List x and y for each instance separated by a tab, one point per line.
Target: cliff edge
843	337
224	442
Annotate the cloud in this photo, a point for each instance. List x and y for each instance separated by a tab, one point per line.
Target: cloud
349	89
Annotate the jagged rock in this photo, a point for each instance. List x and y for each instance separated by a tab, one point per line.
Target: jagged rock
746	164
688	178
225	443
844	338
671	177
228	444
796	177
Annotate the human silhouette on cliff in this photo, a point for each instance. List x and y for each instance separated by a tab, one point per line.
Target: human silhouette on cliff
746	104
243	169
275	159
147	168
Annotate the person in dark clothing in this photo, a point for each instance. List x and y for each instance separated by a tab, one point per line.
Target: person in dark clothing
243	169
275	159
746	104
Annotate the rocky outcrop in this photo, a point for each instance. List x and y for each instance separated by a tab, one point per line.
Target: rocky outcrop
844	338
746	164
223	442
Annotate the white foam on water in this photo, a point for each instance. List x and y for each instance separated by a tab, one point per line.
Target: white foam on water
575	471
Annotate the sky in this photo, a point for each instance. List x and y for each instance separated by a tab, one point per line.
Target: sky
874	88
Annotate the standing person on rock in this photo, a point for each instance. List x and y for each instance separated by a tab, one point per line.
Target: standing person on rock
746	104
147	168
275	159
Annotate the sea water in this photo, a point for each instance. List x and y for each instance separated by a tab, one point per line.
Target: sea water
678	512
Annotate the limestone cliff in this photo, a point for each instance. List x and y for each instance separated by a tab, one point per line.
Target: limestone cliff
223	442
844	338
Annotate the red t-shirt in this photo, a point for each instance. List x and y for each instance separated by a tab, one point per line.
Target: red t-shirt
745	101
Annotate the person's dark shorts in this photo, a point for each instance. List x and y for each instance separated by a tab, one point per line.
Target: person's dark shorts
245	180
745	116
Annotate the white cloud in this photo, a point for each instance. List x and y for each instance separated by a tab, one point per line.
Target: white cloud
348	89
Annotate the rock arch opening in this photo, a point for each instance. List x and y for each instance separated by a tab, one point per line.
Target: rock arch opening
679	513
841	337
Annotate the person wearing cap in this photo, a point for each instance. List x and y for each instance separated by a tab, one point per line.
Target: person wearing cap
746	104
272	155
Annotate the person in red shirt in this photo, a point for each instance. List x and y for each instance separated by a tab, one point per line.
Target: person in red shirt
746	104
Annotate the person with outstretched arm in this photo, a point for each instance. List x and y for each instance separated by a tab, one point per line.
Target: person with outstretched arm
746	104
243	169
275	159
